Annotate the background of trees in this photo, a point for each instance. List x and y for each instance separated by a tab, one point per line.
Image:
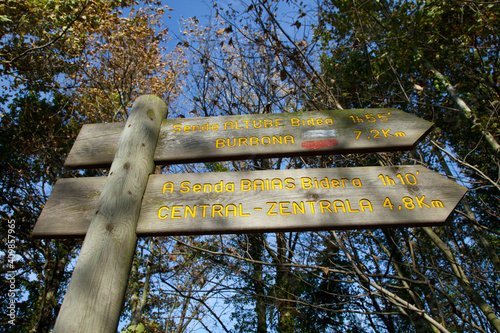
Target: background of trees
65	63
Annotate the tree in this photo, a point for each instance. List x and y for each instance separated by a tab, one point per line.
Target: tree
43	54
434	59
368	38
124	59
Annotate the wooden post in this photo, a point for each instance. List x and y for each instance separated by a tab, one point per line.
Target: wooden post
97	288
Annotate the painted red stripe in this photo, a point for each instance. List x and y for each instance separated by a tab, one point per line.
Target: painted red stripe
319	144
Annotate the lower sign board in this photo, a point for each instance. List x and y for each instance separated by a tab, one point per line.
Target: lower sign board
266	201
260	135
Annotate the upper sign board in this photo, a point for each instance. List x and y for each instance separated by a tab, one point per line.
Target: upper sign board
265	201
190	140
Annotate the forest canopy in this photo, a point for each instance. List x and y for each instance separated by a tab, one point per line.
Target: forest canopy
68	63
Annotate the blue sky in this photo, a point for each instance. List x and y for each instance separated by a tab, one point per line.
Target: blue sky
185	9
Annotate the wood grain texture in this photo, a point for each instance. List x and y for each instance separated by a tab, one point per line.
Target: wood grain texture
261	135
296	190
97	143
311	199
95	294
70	208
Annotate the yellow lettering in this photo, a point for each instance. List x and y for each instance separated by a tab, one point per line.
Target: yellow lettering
306	183
231	209
258	183
217	209
311	204
236	125
437	204
207	188
270	211
276	183
336	206
298	207
324	183
242	141
260	124
176	210
204	209
192	211
219	187
254	141
323	204
160	213
357	182
168	186
295	121
277	140
241	211
245	185
177	127
219	143
197	188
283	208
268	123
364	203
228	125
289	183
349	207
187	128
278	122
185	187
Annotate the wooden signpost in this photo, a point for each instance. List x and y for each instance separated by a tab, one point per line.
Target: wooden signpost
190	140
265	201
110	212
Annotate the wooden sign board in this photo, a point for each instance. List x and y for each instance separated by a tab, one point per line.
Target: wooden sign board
266	201
260	135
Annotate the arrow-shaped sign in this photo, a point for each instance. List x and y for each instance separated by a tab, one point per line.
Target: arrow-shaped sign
265	201
260	135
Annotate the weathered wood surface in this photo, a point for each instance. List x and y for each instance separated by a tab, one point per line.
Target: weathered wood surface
96	291
261	135
96	143
287	200
70	208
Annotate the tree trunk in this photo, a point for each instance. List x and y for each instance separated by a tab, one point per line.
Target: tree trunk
418	322
495	260
461	104
141	301
256	252
284	288
471	293
391	297
53	279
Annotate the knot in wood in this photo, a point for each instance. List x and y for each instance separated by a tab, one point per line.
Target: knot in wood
151	114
